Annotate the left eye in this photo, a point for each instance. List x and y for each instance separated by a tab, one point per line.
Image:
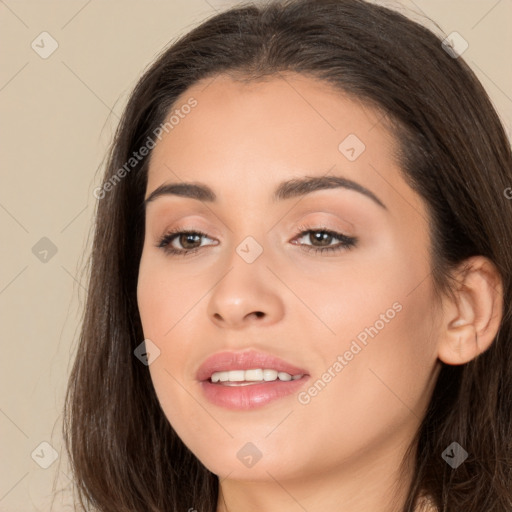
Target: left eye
321	236
324	237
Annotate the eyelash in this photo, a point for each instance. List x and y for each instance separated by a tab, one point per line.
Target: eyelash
346	242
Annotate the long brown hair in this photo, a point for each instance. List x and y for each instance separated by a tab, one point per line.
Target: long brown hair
454	152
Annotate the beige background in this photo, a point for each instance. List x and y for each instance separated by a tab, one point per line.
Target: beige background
57	118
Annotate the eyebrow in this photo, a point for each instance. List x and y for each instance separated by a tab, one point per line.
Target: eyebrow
286	190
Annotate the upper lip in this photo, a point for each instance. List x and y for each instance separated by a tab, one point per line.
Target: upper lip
226	361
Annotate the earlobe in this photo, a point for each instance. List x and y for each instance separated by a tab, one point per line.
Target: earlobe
471	318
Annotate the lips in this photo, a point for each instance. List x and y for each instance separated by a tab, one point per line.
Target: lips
240	396
227	361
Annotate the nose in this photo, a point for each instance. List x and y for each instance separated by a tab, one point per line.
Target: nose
247	294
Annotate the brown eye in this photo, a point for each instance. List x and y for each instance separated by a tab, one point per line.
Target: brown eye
188	241
322	239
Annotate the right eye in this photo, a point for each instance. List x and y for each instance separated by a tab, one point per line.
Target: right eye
184	238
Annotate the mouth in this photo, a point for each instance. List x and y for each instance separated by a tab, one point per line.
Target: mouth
245	380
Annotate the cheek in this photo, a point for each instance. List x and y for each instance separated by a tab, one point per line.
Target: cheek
168	303
385	347
353	297
162	297
375	381
163	300
380	346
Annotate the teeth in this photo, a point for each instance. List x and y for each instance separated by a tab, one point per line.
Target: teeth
252	375
236	375
269	375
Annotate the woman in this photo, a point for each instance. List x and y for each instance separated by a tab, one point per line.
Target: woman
300	294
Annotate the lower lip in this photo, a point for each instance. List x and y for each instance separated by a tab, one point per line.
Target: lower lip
250	396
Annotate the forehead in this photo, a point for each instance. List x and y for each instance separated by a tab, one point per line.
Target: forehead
294	106
242	135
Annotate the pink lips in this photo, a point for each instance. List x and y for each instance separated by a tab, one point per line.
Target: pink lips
254	395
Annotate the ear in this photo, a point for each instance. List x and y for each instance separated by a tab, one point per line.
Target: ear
471	318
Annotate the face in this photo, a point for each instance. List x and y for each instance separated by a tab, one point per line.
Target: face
330	284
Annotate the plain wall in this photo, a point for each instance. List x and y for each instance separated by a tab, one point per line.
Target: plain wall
57	116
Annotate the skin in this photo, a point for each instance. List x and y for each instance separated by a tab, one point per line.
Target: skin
340	451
